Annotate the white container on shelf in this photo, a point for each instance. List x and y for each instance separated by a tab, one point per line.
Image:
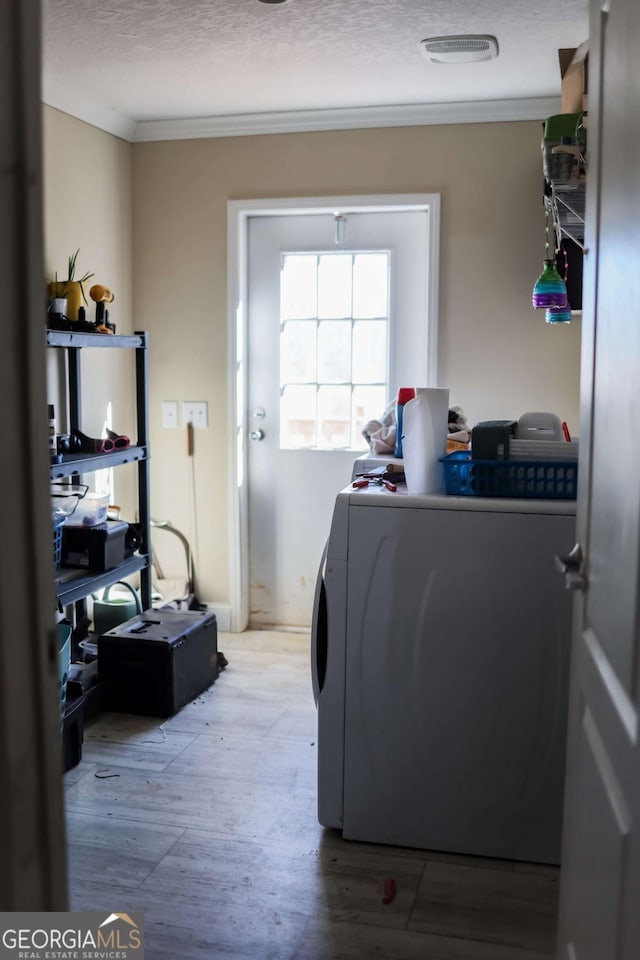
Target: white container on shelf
424	439
539	426
91	509
543	450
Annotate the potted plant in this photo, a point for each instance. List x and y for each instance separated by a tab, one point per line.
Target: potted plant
71	290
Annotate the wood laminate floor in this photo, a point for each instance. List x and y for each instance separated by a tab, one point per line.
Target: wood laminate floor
207	823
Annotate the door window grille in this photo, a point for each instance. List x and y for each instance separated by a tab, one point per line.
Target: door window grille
334	347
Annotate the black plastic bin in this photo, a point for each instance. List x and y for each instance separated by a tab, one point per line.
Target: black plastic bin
73	726
158	661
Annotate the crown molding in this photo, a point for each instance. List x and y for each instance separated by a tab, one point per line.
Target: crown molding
70	100
351	118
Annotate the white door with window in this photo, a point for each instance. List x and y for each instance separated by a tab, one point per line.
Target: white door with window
337	321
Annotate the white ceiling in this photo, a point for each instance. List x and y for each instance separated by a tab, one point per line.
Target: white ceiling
159	60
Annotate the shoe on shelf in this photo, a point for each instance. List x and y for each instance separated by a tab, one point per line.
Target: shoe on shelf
80	443
119	440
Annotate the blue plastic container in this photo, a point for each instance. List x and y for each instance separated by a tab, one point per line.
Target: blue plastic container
404	395
527	479
57	542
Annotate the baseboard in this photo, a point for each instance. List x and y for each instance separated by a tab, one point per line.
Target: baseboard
223	615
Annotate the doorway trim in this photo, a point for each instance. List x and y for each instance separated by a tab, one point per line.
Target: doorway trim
239	212
32	822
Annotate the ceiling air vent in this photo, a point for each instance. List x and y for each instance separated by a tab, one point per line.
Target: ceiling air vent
461	49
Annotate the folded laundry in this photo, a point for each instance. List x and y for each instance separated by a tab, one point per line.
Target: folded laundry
381	434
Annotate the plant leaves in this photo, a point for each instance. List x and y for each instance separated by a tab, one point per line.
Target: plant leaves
72	264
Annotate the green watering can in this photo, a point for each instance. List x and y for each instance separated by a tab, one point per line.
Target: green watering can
110	613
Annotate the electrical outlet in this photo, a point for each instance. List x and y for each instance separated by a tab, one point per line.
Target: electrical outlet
195	412
170	413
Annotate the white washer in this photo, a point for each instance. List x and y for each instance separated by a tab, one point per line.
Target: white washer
371	462
440	660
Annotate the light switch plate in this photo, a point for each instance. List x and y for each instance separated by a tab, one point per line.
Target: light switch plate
170	413
195	412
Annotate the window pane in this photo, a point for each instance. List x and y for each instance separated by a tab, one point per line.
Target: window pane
334	417
334	285
298	417
370	351
368	404
298	352
334	351
333	347
298	287
370	280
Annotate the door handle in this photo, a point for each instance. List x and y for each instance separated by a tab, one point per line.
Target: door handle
572	566
257	435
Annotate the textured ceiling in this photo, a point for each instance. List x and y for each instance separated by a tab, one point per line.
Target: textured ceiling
173	59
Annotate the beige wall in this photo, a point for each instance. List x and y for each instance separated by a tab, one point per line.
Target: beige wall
88	205
497	355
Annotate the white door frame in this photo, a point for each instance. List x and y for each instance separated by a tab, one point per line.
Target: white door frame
239	213
32	829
